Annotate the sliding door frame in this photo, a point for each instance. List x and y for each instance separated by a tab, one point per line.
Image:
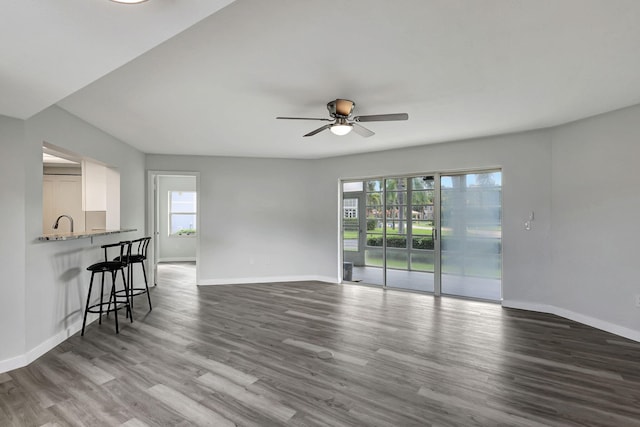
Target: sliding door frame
437	216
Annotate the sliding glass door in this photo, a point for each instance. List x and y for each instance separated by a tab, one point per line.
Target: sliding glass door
437	233
471	234
398	247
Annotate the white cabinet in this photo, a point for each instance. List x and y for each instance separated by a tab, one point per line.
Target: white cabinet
113	200
62	195
94	186
101	193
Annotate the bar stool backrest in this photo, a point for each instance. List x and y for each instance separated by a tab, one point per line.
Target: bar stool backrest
125	251
141	246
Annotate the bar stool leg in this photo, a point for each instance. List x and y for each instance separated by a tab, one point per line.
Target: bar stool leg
127	286
109	306
130	278
86	307
101	300
146	284
114	274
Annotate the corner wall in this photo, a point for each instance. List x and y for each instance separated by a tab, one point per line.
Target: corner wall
595	217
12	247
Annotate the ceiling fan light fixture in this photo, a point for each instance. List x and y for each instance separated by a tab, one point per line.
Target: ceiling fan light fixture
341	129
343	122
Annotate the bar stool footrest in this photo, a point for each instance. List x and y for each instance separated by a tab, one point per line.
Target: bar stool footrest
114	307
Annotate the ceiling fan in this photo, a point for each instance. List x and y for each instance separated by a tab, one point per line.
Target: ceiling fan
343	122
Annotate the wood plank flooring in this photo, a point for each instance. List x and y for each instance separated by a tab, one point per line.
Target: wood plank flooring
314	354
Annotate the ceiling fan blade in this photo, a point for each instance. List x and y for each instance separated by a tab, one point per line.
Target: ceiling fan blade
382	117
361	130
320	129
303	118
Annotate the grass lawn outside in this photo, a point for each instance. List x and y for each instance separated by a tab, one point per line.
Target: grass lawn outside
476	264
423	261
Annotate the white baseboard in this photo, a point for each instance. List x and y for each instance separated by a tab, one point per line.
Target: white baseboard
45	346
576	317
13	363
269	279
178	259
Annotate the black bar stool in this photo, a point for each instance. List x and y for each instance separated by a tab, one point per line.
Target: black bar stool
138	256
112	267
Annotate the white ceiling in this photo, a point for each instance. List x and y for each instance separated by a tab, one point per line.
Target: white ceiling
51	48
459	68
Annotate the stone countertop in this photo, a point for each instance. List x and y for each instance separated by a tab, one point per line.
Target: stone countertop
82	234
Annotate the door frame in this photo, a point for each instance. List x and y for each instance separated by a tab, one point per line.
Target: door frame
153	213
408	219
362	225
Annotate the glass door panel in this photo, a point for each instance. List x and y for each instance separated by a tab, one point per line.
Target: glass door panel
350	225
471	234
409	233
353	232
372	272
422	228
397	255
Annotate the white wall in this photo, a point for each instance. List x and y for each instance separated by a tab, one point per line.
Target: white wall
254	217
12	245
53	279
174	248
596	221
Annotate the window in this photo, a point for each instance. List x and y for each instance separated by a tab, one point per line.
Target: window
350	208
348	187
182	213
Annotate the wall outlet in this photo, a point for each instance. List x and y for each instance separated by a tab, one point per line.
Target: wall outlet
638	300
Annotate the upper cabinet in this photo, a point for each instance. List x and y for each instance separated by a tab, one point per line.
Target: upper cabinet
94	186
101	195
113	199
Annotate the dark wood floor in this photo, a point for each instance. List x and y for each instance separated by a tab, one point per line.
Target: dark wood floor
312	354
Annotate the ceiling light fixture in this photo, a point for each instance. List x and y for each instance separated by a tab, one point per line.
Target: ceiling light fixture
129	1
341	127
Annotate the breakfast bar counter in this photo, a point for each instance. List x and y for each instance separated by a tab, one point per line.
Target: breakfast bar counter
82	234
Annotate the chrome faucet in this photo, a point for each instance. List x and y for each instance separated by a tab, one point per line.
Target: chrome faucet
55	226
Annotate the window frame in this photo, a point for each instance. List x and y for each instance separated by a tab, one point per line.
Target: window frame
171	214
